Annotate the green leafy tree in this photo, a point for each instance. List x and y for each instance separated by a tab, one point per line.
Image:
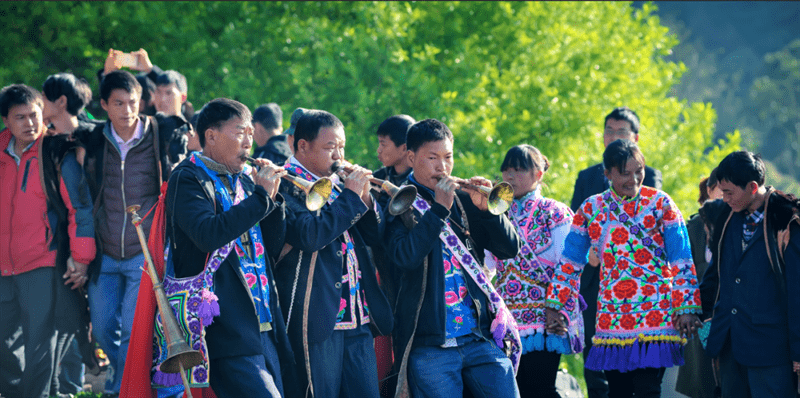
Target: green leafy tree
499	74
776	97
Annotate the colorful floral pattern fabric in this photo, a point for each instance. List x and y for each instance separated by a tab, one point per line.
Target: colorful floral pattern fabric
458	303
646	276
253	265
543	225
352	304
503	320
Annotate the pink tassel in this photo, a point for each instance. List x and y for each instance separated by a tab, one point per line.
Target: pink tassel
209	307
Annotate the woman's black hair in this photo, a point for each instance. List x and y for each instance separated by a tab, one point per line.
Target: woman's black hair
525	157
619	152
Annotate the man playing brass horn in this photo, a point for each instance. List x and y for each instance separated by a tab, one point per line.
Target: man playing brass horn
214	206
454	331
327	282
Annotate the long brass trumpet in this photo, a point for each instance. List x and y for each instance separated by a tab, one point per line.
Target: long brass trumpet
499	197
401	197
317	192
179	355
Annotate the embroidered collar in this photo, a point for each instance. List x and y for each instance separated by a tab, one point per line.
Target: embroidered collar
622	199
293	161
215	166
532	195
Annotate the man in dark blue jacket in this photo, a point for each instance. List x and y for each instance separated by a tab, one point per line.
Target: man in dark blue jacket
752	287
443	312
211	203
327	281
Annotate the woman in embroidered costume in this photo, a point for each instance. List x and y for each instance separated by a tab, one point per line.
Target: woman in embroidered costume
648	288
543	224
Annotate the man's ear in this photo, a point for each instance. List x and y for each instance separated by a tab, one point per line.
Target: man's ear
606	173
636	137
104	105
410	156
183	98
302	145
62	102
211	136
754	188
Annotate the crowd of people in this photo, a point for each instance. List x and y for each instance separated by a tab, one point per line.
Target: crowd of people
291	275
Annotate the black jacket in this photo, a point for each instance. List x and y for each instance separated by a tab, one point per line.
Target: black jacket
407	248
196	226
754	293
322	232
276	150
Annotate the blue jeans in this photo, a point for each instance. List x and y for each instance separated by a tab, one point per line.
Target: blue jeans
248	376
442	372
739	381
112	303
73	372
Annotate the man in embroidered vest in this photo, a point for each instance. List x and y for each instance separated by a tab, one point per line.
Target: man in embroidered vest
452	325
751	288
621	123
212	206
326	281
127	159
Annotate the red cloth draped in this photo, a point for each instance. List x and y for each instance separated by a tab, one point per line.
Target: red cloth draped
136	378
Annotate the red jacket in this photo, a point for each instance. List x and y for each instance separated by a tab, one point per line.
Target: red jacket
26	231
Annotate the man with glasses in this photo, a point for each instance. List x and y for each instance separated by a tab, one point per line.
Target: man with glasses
621	123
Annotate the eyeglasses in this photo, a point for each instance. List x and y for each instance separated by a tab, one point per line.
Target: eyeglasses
617	132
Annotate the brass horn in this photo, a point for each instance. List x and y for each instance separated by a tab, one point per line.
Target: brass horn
179	355
499	196
401	197
317	192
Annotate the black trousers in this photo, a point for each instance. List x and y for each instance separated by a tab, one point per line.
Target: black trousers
27	300
536	376
639	383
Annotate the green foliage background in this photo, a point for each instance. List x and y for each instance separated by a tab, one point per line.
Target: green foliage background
498	73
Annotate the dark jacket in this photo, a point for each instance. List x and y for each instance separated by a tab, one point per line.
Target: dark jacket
276	150
592	181
754	293
322	232
148	164
407	248
68	200
196	226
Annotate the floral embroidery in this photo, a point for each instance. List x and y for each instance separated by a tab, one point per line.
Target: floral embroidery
647	275
523	280
353	305
497	307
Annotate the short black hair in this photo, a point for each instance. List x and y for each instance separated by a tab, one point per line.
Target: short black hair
173	77
269	115
148	87
18	94
217	112
626	114
619	152
76	90
741	167
396	128
119	79
525	157
311	122
424	131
